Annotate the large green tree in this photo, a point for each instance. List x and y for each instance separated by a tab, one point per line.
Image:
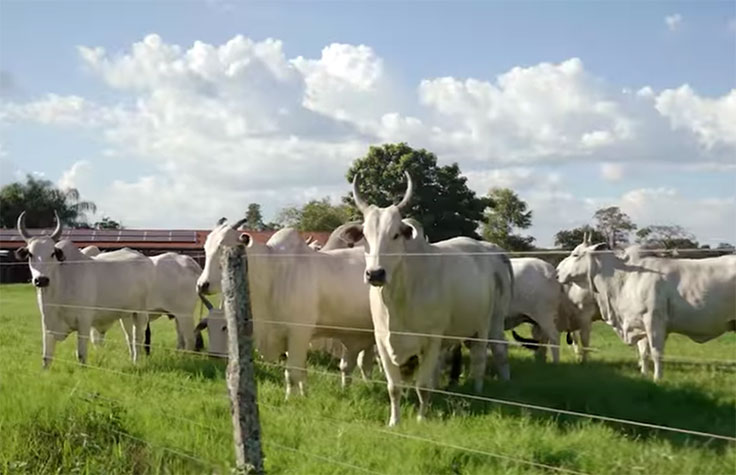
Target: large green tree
255	218
442	201
506	213
316	215
666	237
570	238
40	198
614	224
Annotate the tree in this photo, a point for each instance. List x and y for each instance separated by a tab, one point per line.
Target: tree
666	237
40	198
108	223
614	224
569	239
442	201
255	218
317	215
725	246
507	211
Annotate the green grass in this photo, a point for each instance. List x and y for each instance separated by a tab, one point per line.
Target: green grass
170	413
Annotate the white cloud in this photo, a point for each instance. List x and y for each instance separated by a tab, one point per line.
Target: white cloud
612	171
221	125
711	120
673	22
76	176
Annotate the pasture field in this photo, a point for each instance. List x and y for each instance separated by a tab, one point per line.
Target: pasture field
170	413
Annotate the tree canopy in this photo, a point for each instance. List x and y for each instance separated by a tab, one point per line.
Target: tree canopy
507	212
570	238
614	224
40	198
666	237
442	201
316	215
255	218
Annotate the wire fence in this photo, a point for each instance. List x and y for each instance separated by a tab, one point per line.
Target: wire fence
337	330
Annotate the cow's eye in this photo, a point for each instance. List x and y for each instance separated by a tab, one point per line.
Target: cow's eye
396	236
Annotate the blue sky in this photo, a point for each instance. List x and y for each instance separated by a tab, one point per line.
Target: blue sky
666	154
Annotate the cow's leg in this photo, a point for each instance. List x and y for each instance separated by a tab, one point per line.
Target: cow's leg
126	323
49	343
82	339
426	373
296	363
478	361
643	349
585	341
552	337
366	360
140	321
184	331
500	353
393	382
538	333
656	334
348	361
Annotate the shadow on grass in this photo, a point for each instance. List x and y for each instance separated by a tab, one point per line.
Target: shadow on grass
598	388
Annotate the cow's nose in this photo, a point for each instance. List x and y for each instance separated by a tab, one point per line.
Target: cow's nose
41	281
376	276
203	288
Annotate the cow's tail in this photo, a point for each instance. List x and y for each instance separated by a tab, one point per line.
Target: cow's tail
529	343
510	270
147	340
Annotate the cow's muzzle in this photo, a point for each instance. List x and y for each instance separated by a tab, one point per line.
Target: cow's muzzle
376	277
41	281
203	288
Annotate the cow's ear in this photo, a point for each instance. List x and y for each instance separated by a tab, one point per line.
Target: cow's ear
601	246
221	221
22	253
352	234
59	254
245	238
411	229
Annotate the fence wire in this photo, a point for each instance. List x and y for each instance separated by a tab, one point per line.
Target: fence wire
459	395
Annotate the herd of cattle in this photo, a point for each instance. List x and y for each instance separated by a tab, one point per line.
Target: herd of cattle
380	285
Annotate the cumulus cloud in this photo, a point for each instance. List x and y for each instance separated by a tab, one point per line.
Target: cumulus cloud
76	176
673	22
219	125
710	120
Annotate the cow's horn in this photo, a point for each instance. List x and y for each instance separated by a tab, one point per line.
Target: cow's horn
22	227
409	190
239	223
57	232
362	205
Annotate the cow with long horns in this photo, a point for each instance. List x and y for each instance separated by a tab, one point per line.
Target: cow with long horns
77	293
421	292
297	294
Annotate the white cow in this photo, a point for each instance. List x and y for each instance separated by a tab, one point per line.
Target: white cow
337	238
651	297
91	251
536	298
69	285
459	288
174	293
577	312
294	290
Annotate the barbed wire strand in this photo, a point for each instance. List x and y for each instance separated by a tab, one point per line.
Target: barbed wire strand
323	254
483	399
404	333
524	405
392	433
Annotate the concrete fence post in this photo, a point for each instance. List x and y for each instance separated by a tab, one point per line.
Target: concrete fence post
240	369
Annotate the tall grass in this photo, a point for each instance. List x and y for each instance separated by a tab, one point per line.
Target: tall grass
170	413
